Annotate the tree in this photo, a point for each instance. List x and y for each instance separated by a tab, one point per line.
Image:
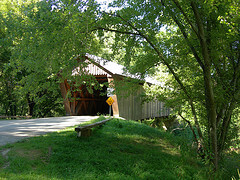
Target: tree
7	83
200	48
47	36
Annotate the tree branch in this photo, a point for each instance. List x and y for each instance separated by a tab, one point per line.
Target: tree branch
225	126
176	2
181	27
234	82
194	134
117	31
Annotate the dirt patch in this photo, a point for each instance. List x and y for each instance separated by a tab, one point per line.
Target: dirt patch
32	154
4	154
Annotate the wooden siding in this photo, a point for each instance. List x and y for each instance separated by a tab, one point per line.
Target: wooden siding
154	109
132	108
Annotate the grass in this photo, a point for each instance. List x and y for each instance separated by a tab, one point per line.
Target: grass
118	150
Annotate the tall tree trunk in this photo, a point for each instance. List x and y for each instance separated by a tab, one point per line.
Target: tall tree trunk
225	127
209	93
31	108
31	105
212	117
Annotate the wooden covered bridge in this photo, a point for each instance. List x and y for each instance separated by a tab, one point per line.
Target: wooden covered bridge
78	101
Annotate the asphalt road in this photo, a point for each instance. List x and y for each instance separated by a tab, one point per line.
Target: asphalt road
15	130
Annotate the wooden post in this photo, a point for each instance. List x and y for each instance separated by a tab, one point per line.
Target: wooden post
110	110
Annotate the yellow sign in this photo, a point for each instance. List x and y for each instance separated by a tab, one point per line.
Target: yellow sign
110	101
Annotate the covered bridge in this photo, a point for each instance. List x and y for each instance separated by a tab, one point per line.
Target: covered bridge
78	101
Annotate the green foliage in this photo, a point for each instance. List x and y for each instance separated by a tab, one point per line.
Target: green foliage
40	39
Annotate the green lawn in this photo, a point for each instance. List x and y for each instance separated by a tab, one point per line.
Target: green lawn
118	150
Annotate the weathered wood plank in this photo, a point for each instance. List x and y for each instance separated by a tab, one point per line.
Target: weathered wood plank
86	130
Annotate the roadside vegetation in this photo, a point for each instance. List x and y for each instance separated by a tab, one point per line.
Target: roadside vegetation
118	150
